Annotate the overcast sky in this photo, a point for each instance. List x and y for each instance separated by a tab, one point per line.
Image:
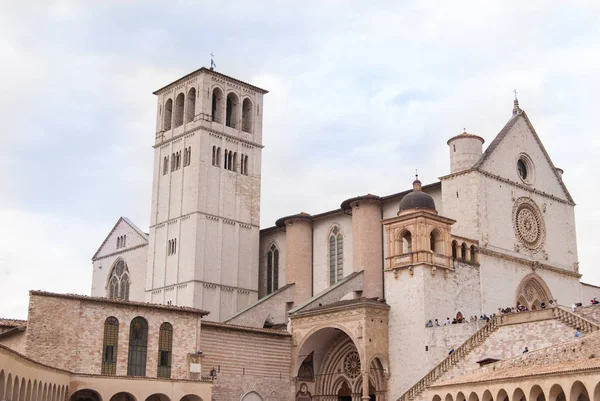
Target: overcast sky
361	94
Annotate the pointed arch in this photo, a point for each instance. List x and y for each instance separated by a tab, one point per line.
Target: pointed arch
532	290
2	384
454	249
119	281
336	254
272	268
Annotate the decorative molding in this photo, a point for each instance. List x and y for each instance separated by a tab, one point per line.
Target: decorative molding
507	181
206	285
121	251
206	215
167	141
530	263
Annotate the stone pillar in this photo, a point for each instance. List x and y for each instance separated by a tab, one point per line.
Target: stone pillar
365	385
367	243
298	266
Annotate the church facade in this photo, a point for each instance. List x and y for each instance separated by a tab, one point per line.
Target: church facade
347	304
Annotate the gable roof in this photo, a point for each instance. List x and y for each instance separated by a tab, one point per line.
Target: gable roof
517	114
130	224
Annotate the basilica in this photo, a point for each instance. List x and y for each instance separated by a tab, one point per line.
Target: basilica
453	290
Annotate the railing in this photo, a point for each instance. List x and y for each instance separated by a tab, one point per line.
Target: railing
459	353
561	313
574	320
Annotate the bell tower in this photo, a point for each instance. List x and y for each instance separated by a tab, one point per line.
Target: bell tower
204	229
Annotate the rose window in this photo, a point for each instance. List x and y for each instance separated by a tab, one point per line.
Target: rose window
528	223
352	365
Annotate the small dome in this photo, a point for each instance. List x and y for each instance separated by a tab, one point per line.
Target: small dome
417	199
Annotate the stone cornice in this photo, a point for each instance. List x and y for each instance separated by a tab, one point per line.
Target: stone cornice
531	263
208	283
229	326
213	73
208	215
210	131
509	182
418	214
348	307
119	252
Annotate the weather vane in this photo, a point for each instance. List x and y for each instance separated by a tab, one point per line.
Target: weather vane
417	173
515	92
212	62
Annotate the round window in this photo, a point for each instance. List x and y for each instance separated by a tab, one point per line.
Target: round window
525	169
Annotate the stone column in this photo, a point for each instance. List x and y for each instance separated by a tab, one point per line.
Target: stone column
298	267
365	385
367	234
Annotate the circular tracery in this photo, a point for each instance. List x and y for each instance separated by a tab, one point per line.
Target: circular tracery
352	365
528	223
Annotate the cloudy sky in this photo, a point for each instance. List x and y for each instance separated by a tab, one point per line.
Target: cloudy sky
361	94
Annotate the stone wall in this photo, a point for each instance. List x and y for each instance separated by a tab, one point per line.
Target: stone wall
510	340
15	340
246	360
134	254
67	332
272	308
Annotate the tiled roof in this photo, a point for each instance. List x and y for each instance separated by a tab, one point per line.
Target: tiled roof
12	322
206	323
121	302
578	354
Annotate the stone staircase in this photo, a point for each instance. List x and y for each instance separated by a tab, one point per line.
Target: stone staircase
575	320
460	353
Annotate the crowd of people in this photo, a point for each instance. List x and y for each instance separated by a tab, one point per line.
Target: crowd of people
501	312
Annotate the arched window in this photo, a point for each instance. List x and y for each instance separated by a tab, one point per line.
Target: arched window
217	105
190	107
232	113
272	269
435	242
119	281
214	156
246	165
463	252
138	346
179	104
473	257
454	250
225	159
168	115
234	165
336	255
109	346
165	165
230	160
407	242
247	115
218	156
165	346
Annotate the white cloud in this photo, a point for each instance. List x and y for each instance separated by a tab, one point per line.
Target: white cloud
360	95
